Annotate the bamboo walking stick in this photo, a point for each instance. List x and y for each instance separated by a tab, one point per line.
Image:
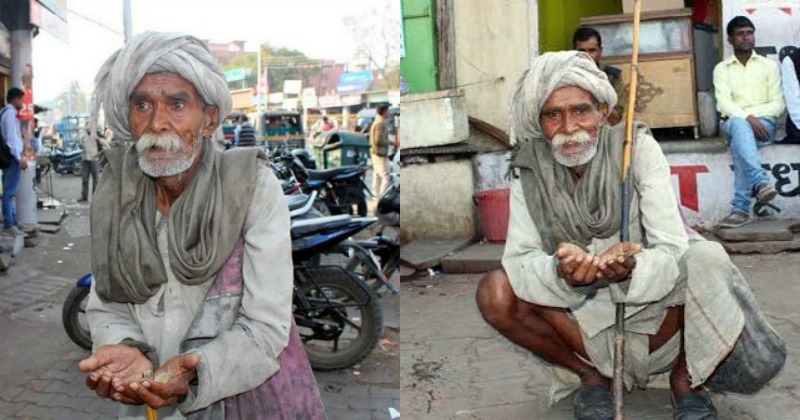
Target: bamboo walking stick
152	414
627	190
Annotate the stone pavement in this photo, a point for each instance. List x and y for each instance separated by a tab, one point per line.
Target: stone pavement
454	366
38	362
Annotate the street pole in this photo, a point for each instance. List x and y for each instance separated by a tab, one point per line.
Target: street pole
258	80
126	19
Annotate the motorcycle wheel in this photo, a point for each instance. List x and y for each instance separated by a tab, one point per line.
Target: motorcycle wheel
77	168
389	261
321	207
74	317
338	287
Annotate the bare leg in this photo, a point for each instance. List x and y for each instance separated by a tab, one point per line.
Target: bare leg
547	332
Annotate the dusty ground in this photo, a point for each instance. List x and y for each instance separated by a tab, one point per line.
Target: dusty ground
454	366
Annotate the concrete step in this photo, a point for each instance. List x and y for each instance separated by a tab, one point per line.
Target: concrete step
428	253
478	258
759	237
759	231
51	216
49	228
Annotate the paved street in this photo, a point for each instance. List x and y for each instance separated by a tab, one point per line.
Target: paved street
454	366
38	362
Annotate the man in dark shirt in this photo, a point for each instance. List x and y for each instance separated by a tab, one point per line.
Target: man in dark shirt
589	41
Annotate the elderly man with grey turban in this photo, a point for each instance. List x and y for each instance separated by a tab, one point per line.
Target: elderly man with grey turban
564	267
190	310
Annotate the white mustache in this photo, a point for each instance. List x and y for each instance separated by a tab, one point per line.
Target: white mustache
165	141
580	137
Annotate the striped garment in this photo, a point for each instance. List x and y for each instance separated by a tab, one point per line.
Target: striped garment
247	136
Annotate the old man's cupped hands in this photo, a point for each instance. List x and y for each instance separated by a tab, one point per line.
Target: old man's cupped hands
124	374
580	268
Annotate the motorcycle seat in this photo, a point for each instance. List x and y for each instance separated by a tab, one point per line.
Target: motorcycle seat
319	224
330	173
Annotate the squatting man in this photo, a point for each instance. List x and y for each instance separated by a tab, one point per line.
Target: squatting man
691	320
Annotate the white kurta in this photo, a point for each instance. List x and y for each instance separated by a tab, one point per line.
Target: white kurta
656	284
260	332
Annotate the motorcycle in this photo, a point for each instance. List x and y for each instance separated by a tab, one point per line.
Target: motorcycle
67	161
339	188
385	248
338	316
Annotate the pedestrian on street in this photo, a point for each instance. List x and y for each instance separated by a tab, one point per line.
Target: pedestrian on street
691	317
747	87
247	134
12	136
191	251
328	124
90	165
379	149
237	126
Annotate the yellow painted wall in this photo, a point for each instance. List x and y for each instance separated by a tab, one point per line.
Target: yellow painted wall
558	19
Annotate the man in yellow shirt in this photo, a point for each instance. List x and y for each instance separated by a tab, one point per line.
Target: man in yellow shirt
749	98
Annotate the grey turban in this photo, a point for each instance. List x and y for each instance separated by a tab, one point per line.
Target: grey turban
549	72
156	52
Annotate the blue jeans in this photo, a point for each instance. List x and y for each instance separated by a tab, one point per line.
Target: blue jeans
747	170
10	183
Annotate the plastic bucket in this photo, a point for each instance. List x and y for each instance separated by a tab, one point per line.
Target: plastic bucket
493	211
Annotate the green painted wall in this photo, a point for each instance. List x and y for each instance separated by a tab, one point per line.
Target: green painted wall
419	66
558	20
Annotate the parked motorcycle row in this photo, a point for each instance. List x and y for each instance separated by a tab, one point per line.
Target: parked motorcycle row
337	279
67	160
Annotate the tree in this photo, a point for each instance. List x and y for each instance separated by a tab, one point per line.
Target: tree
72	101
281	64
376	33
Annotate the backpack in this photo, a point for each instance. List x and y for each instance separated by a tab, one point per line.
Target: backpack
5	152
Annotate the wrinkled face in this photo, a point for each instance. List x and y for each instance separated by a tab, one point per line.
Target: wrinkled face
168	121
571	120
743	39
591	47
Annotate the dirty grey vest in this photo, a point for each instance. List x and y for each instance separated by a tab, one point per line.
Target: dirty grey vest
291	393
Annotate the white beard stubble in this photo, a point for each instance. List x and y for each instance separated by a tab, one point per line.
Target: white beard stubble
175	164
572	160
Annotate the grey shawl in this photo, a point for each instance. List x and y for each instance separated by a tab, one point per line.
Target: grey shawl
566	209
205	222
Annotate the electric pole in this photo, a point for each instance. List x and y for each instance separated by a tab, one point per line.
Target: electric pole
126	19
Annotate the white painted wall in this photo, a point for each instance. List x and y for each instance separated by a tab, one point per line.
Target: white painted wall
434	119
777	22
491	170
705	186
437	201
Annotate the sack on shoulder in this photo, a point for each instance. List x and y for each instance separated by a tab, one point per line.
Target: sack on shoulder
5	152
5	155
